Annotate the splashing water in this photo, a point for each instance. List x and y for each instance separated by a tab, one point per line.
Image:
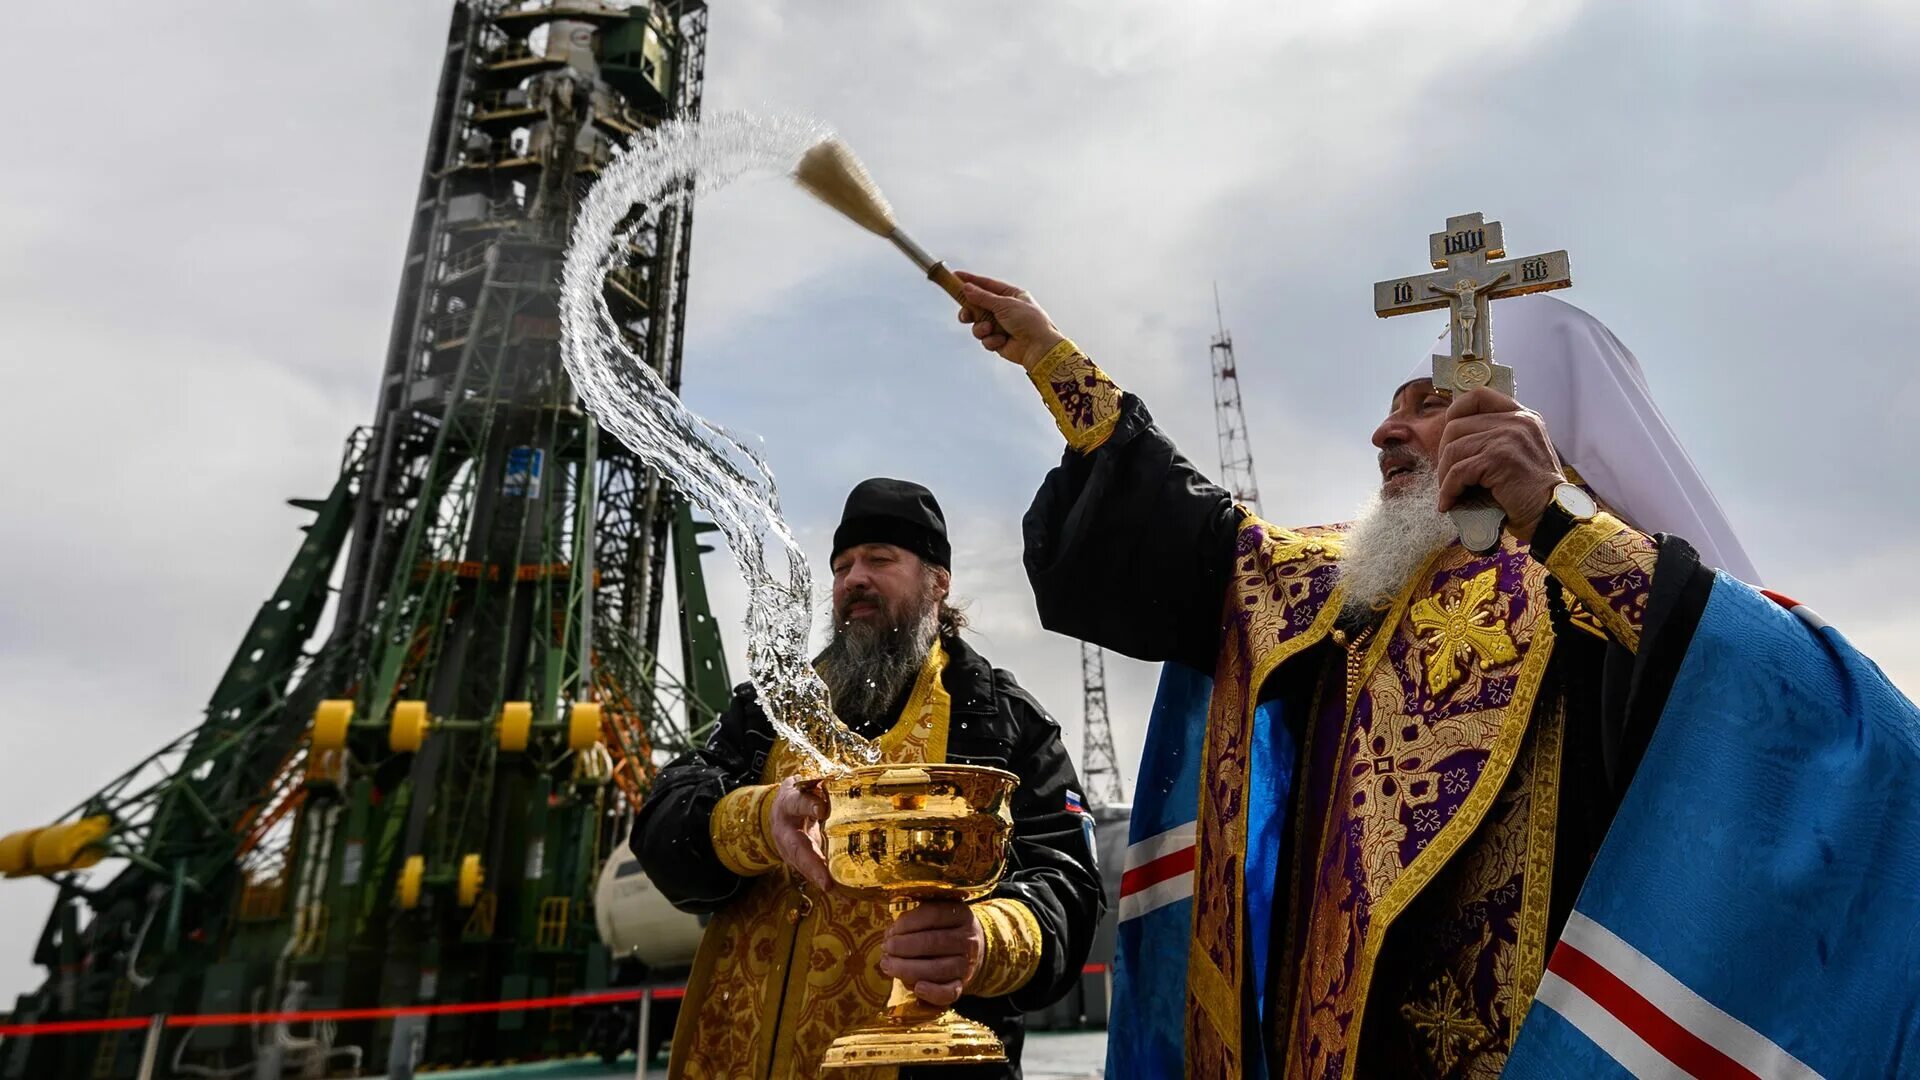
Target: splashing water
723	476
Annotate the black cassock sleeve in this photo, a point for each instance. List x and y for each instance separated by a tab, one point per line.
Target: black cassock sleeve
1130	547
670	833
1050	863
1681	585
1614	698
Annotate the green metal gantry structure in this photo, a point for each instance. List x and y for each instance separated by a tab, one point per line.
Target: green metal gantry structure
411	807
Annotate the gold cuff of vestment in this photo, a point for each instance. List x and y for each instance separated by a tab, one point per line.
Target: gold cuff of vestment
742	830
1013	947
1608	565
1085	403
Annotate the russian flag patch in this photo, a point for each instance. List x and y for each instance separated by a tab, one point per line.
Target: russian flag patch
1076	805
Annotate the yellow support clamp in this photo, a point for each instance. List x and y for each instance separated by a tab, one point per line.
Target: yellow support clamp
407	731
73	846
583	726
406	892
472	876
330	722
16	852
516	726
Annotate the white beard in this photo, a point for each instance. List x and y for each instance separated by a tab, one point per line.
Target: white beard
1393	537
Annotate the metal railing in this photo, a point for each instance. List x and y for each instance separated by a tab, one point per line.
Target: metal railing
461	263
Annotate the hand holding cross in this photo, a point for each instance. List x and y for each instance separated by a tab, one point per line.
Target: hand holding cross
1466	283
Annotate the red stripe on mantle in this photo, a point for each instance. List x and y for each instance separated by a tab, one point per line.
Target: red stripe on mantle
1645	1019
1170	865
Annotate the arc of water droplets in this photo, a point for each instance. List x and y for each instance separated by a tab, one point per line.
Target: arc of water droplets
723	476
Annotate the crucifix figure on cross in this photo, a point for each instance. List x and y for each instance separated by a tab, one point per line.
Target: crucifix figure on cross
1466	283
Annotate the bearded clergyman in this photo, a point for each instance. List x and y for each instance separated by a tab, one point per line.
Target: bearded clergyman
1398	798
789	961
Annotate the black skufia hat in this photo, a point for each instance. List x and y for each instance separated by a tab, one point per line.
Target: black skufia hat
897	512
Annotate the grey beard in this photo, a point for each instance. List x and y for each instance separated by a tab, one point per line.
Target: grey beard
1390	540
867	668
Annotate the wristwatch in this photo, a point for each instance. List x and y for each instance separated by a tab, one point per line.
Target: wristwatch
1568	506
1573	500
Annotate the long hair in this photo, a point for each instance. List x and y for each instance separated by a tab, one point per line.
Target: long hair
953	617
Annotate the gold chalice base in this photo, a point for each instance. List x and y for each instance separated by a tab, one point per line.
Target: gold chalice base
915	1033
908	833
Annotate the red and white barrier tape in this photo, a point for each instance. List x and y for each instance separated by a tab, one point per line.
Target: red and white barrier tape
389	1012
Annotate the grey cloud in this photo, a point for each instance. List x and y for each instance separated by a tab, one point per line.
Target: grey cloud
200	227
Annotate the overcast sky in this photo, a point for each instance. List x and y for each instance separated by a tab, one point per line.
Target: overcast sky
203	206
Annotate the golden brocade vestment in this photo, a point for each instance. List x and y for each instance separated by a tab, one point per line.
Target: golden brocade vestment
783	970
1425	798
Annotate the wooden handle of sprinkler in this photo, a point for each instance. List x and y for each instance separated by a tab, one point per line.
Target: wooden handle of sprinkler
937	271
943	277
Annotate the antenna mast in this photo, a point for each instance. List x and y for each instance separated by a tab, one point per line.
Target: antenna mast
1102	770
1230	418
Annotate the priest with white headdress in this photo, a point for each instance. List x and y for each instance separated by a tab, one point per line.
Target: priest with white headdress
1397	798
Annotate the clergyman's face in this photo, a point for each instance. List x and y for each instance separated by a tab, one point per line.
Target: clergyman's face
1410	434
880	585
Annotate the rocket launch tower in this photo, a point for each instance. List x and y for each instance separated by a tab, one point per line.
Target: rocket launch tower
429	738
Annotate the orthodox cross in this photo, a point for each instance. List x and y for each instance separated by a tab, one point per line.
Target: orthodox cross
1466	283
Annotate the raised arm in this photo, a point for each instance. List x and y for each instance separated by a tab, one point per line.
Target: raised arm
1128	545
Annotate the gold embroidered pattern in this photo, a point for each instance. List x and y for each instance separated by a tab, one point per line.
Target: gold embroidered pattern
1495	821
1608	566
1358	652
1461	628
1013	945
1272	612
1388	832
740	829
1543	818
1085	403
783	952
1285	545
1506	748
1447	1021
1583	620
1301	877
1475	923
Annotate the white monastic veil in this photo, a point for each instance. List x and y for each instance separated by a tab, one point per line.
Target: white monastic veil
1570	369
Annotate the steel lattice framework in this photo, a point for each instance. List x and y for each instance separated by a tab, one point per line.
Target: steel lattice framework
1097	757
499	553
1230	418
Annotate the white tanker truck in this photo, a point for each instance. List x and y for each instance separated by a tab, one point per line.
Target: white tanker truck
636	922
652	943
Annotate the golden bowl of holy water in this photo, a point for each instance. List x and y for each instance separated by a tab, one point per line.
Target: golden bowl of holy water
908	833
